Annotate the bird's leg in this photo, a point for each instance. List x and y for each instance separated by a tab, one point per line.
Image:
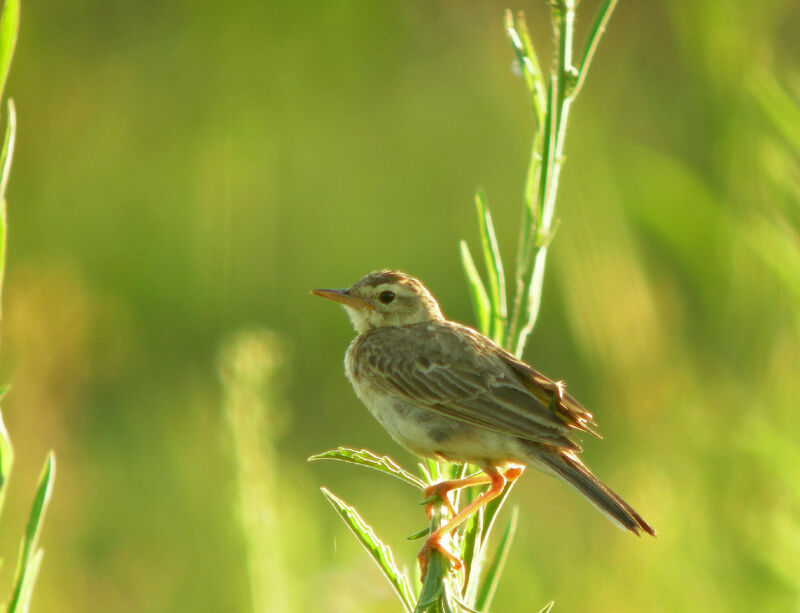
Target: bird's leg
497	481
513	473
443	488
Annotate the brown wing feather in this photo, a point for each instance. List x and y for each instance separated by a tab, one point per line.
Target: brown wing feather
544	388
457	372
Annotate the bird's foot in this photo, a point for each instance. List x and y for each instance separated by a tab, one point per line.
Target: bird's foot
435	494
424	556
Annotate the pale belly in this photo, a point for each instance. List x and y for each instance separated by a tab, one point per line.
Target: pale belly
430	434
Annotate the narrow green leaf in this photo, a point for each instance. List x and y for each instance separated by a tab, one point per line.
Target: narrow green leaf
493	508
380	553
473	535
418	535
548	607
531	214
495	568
425	471
441	585
534	300
432	588
535	258
26	593
595	34
528	282
550	155
6	455
471	545
494	268
6	155
521	43
480	299
362	457
9	25
29	555
434	595
465	607
487	516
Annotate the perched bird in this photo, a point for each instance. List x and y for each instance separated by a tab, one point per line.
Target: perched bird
447	392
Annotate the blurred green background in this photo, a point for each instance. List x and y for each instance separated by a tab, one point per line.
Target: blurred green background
188	170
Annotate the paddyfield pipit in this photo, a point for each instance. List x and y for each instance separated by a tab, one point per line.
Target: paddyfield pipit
447	392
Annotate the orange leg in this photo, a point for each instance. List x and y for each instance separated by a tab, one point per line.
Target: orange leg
497	482
443	488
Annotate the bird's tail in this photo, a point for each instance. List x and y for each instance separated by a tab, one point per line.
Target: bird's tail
567	466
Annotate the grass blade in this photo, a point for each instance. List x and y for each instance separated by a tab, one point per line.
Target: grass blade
494	268
548	607
480	299
6	155
6	454
29	554
380	553
526	302
362	457
436	591
521	42
595	34
30	580
8	148
9	25
550	160
471	545
495	568
419	534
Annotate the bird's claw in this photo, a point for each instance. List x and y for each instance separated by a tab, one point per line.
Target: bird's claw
424	556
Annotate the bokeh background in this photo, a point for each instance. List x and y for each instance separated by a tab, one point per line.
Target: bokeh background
186	171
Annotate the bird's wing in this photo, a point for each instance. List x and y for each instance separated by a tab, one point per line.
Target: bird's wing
454	371
543	388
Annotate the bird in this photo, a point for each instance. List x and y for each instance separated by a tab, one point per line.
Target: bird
445	391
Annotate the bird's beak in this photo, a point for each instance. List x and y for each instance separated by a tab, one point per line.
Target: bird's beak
343	296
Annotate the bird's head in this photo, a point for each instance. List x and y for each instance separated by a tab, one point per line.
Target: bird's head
385	298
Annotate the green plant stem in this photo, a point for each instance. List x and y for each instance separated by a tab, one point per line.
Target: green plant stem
551	106
542	182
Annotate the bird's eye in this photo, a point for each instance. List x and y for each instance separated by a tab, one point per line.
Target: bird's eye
386	297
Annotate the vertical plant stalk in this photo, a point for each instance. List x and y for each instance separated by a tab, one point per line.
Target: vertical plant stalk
248	364
30	555
9	26
544	169
551	103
